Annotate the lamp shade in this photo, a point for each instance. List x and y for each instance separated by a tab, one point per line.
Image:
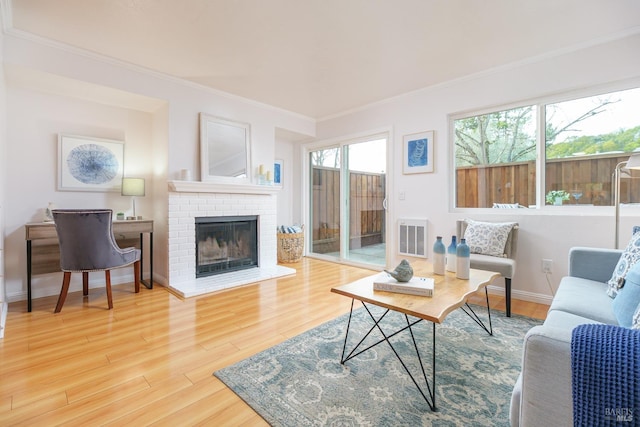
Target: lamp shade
133	186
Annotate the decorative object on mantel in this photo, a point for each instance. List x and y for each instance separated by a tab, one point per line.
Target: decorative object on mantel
120	216
403	272
89	164
264	176
48	214
185	175
133	187
290	243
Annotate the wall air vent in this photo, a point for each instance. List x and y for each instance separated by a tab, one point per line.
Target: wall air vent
412	237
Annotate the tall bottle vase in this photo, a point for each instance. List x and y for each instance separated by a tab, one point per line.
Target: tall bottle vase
451	255
439	251
463	260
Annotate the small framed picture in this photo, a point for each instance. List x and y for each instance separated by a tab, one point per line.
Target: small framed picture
418	153
277	172
89	164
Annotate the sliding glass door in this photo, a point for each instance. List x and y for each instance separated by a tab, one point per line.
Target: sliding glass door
347	201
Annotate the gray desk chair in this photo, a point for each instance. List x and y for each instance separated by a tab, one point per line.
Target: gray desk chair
506	266
87	244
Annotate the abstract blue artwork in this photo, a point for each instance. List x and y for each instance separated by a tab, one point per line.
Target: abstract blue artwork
92	164
418	153
277	173
89	164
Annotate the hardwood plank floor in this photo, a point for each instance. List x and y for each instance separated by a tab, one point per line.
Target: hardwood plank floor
150	360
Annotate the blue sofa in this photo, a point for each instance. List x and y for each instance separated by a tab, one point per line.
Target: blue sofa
542	395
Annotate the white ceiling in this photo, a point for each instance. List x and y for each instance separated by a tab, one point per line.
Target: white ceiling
320	58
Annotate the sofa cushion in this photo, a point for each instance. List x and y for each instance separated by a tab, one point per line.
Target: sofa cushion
566	321
585	298
487	238
628	259
626	302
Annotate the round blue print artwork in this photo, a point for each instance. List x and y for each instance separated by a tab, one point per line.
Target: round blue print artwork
92	164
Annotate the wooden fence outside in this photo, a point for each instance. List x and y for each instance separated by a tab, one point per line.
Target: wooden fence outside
366	213
478	186
482	186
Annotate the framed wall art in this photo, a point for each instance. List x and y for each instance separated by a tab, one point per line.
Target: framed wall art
277	172
417	154
89	164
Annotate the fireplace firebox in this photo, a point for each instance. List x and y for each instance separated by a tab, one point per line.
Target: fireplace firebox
225	244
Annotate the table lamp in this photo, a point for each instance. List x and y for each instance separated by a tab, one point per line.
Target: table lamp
133	187
632	163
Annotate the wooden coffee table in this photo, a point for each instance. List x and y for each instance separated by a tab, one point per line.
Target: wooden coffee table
449	294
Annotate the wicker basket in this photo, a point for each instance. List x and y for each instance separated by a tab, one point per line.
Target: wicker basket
290	247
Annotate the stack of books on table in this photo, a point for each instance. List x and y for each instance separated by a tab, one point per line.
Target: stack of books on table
422	286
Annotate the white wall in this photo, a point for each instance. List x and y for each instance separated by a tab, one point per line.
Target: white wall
546	233
161	131
36	119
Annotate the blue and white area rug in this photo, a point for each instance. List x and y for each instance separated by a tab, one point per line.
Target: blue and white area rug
302	383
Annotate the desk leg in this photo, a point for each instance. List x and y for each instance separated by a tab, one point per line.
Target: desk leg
149	284
29	276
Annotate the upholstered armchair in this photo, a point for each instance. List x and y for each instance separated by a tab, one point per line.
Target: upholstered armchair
500	259
87	244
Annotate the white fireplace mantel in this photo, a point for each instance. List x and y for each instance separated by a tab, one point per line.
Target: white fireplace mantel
189	200
214	187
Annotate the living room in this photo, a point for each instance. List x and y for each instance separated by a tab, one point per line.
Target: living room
158	118
51	88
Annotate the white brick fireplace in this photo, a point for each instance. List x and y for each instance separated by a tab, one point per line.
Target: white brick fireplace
188	200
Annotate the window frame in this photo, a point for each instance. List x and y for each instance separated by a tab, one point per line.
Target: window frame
539	103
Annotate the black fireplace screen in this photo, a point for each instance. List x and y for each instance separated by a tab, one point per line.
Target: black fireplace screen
225	244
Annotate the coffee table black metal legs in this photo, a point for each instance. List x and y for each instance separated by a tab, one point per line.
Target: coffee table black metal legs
472	314
428	392
426	386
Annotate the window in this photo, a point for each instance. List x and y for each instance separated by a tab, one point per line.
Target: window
495	156
584	140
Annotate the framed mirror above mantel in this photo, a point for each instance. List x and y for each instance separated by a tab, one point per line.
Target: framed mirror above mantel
225	150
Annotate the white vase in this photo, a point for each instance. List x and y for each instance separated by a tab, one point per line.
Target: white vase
557	201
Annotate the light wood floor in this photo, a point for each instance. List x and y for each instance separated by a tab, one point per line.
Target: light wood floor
150	360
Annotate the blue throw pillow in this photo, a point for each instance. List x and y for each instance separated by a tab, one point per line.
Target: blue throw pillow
627	301
630	256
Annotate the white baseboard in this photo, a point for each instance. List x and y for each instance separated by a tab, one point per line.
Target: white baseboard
522	295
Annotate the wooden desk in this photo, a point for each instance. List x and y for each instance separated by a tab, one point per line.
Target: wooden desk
43	251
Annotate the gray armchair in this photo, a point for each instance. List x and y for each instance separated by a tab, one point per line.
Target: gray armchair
87	244
505	266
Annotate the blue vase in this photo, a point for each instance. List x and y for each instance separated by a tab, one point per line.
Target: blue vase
451	255
463	260
439	251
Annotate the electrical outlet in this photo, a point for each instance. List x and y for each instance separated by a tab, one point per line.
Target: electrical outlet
547	266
